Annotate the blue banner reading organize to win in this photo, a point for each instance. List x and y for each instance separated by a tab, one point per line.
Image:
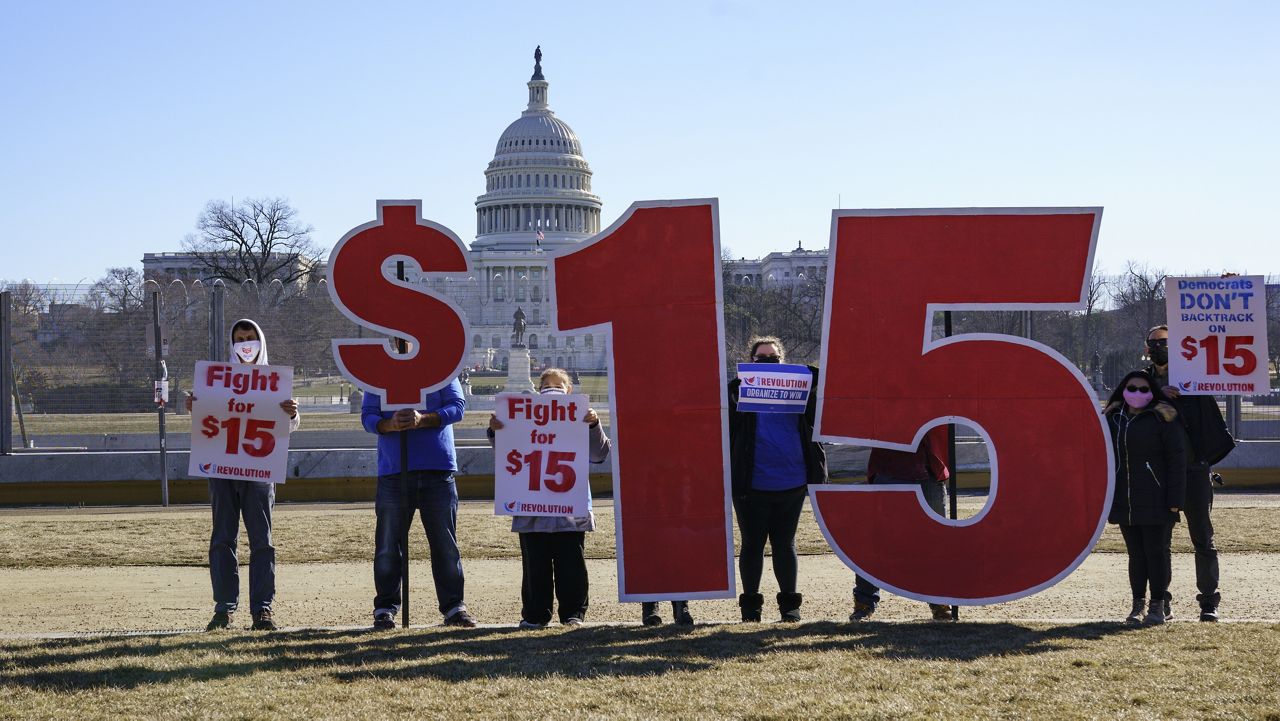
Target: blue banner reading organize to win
773	388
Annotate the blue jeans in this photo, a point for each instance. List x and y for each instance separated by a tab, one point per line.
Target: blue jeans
435	497
935	495
254	501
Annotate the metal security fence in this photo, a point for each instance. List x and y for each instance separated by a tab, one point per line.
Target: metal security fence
81	366
82	359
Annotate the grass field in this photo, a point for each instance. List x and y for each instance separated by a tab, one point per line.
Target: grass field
812	671
338	533
82	569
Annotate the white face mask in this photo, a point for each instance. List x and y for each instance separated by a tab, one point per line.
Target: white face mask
246	351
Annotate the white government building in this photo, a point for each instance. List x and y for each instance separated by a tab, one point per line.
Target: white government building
538	181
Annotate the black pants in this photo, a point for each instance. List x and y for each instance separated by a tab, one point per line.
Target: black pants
769	516
1150	561
553	562
1199	503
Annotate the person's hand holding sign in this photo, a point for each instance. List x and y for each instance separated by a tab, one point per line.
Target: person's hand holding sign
407	419
290	407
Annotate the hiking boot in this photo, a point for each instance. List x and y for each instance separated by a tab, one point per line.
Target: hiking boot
1135	613
789	607
531	626
262	621
680	613
221	620
384	621
861	612
1155	612
941	612
460	619
1209	614
649	614
751	603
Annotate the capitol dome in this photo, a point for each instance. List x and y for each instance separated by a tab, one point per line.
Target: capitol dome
538	180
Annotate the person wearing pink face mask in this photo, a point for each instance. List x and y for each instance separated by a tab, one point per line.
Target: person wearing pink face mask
1150	448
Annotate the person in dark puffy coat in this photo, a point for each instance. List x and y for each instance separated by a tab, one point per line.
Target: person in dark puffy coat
1150	449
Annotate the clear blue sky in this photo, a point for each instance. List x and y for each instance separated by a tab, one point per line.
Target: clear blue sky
122	119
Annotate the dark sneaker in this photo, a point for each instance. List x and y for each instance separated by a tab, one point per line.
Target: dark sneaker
573	621
941	612
531	626
384	621
262	621
1155	613
460	619
1168	609
221	620
1135	613
861	612
1209	614
649	614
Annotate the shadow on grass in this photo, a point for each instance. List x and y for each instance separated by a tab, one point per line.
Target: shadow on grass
454	655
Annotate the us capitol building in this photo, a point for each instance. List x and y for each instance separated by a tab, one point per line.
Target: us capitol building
539	180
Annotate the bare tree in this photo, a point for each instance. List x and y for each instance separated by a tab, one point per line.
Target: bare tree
258	239
119	291
1139	294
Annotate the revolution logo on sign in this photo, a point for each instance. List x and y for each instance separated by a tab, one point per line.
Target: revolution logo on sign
238	429
1217	333
773	388
541	467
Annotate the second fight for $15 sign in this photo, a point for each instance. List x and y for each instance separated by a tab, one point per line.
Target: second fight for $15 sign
541	466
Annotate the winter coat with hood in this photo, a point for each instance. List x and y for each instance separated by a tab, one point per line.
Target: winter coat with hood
1151	464
262	359
742	440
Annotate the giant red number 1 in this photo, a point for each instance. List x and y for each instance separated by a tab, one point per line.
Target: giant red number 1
886	381
652	280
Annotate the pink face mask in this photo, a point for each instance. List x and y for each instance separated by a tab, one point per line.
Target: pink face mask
1137	400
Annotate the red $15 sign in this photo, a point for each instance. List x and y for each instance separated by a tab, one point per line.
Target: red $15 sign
886	381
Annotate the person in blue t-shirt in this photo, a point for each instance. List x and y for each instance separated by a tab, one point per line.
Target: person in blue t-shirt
773	458
432	492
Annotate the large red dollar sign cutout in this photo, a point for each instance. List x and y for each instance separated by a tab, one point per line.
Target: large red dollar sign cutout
886	381
364	292
652	280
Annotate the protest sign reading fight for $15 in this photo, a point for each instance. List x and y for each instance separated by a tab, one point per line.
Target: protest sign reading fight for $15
540	464
238	429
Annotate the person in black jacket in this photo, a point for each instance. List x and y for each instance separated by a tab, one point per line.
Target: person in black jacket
772	458
1210	442
1151	473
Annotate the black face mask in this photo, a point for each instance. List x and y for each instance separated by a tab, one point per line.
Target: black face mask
768	359
1160	355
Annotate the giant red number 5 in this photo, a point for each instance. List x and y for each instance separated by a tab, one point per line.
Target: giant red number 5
652	280
886	381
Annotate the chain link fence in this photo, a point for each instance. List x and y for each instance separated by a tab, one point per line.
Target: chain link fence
82	363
